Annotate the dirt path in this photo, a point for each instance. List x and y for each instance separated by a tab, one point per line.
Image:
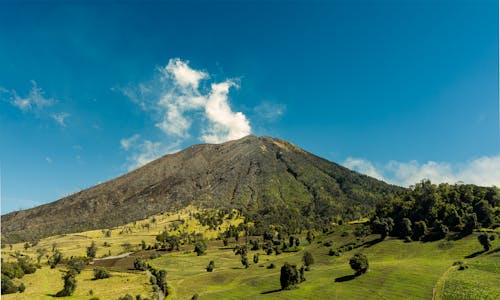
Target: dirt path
114	257
439	287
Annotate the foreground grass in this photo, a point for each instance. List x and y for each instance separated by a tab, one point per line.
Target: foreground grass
46	282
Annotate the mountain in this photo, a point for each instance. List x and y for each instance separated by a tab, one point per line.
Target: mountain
271	181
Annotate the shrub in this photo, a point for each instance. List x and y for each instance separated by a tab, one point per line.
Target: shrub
484	241
140	264
255	258
244	261
308	258
126	297
8	287
271	266
211	266
92	250
200	247
101	273
359	263
76	264
333	252
22	288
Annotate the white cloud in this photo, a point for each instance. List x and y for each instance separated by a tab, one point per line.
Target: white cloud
34	101
48	159
126	143
481	171
60	118
225	124
183	74
362	166
179	106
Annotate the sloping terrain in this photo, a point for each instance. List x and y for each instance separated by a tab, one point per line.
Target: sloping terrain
267	179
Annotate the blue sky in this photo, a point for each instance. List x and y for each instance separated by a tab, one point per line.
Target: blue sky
399	90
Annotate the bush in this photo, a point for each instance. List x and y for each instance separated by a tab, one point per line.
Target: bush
8	287
22	288
126	297
255	258
308	258
76	264
333	252
140	264
271	266
211	266
101	273
200	247
92	250
359	263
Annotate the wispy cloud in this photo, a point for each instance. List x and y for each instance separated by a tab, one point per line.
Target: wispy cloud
33	101
185	102
270	111
60	118
481	171
126	143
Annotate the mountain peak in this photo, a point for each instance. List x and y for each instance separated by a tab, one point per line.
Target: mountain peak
266	178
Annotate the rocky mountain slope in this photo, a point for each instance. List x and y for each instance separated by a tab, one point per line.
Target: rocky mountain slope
270	180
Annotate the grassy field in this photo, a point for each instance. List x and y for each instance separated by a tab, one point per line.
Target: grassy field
398	270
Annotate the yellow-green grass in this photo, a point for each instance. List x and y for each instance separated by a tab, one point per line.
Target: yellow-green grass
46	282
133	233
398	270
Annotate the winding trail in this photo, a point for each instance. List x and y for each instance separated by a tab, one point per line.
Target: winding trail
439	287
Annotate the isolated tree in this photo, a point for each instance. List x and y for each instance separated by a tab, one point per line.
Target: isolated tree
256	258
69	278
211	266
484	241
244	261
76	264
92	250
200	247
55	259
308	259
289	276
359	263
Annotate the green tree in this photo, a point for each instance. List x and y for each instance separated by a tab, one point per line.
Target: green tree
289	276
69	278
382	226
308	259
406	230
200	247
359	263
8	286
419	230
244	261
92	250
256	258
211	266
140	264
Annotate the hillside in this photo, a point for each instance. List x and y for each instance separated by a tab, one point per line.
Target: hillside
262	177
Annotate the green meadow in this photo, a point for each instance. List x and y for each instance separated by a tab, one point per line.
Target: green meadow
397	270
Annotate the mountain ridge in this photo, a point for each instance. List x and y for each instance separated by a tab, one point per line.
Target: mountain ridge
270	180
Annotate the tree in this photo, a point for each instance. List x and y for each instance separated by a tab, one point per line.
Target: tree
484	241
244	261
77	264
406	230
470	224
211	266
101	273
308	259
359	263
419	230
140	264
383	226
289	276
69	278
200	247
55	259
92	250
256	258
309	237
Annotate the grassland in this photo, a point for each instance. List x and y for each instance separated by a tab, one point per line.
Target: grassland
398	270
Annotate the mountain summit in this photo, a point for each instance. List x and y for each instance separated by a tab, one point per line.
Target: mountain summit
271	181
